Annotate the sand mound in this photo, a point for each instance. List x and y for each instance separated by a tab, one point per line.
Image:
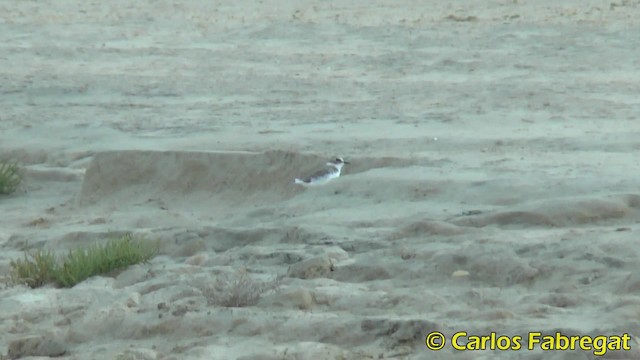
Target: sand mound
489	263
426	227
561	212
136	176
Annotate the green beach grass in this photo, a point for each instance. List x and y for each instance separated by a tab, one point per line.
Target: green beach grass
42	267
10	177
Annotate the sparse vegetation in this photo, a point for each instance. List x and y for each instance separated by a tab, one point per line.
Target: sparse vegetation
41	267
238	290
35	270
10	177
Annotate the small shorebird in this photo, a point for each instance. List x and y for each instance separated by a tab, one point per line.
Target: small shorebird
331	171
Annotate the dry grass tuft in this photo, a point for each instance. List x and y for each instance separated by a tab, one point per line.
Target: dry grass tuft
35	270
238	289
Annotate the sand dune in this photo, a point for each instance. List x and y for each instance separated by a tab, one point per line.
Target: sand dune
133	176
492	184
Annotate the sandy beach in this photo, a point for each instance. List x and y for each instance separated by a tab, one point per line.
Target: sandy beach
493	184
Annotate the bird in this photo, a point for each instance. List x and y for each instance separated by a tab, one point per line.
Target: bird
331	171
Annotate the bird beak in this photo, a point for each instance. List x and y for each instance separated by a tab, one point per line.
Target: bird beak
346	162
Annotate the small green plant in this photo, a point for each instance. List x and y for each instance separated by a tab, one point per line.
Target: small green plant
118	254
10	177
39	268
